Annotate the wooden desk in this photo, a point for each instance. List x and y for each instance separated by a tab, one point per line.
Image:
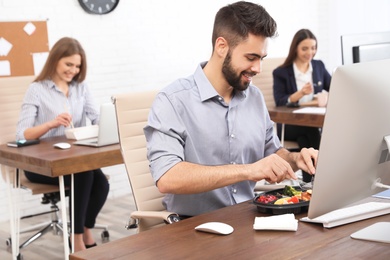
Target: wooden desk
181	241
47	160
285	115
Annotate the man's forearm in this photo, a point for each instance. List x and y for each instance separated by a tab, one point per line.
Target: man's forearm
189	178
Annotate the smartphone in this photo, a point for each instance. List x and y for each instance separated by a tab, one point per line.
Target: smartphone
22	143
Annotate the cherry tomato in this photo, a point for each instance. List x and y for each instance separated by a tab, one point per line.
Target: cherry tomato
294	199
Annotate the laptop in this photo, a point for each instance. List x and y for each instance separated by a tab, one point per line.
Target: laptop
108	128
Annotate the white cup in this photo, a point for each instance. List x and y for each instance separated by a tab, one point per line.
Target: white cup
322	98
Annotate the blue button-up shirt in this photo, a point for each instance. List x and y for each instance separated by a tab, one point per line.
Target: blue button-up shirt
190	122
44	101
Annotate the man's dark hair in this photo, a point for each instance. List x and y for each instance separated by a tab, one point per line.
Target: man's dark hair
235	21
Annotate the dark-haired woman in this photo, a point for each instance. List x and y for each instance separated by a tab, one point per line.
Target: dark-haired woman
301	80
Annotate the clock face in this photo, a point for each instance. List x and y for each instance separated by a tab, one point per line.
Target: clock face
98	6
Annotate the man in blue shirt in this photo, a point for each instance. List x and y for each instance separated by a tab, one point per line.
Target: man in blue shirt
209	136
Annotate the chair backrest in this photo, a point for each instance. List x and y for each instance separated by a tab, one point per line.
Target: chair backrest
264	80
132	111
12	91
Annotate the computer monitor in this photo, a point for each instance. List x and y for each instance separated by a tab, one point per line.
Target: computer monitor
371	52
353	153
365	47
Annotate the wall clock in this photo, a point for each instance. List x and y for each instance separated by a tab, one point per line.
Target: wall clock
98	6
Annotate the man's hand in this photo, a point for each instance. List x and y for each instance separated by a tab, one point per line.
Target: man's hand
273	168
306	159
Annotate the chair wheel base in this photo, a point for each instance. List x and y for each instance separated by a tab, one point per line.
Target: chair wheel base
105	235
8	242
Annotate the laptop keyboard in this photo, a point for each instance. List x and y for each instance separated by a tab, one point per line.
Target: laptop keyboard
93	141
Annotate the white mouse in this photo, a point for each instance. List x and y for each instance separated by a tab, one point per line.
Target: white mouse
216	228
62	145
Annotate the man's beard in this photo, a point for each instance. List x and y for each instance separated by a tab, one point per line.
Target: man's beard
231	76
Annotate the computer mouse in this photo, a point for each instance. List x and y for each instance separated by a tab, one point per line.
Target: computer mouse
216	228
62	145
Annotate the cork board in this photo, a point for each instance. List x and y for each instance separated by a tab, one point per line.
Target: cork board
21	46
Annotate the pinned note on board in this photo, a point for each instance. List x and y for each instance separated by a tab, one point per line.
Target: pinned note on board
39	60
29	28
5	46
22	47
5	68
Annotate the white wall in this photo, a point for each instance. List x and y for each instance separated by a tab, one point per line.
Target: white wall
147	44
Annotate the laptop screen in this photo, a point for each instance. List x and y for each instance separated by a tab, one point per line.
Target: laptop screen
108	128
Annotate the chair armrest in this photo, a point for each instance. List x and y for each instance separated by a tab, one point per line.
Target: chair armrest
166	216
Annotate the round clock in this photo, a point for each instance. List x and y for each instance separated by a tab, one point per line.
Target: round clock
98	6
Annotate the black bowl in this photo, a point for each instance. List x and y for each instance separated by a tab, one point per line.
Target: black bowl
270	208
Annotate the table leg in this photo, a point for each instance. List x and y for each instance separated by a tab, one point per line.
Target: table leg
64	217
72	206
13	213
282	136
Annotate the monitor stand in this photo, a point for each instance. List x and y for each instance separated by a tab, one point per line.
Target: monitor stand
378	232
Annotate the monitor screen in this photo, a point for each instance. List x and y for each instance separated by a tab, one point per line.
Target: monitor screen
353	153
365	47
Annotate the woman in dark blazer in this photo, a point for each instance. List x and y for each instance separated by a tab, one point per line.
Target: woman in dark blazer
298	81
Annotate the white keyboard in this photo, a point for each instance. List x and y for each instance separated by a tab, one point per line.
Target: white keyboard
351	214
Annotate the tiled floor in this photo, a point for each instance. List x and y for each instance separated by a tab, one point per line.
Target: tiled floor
115	214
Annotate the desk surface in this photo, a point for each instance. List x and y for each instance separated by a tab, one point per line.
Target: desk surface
44	159
285	115
181	241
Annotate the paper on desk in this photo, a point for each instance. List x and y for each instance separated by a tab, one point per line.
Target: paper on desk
311	110
286	222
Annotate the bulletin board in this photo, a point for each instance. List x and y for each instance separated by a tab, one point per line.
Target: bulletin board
23	45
